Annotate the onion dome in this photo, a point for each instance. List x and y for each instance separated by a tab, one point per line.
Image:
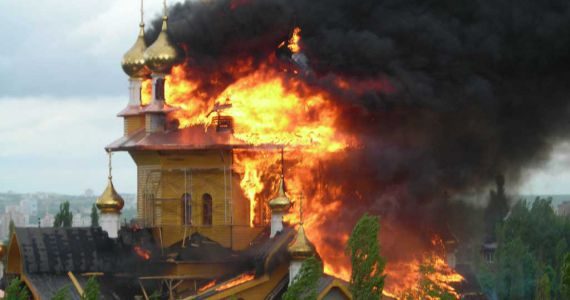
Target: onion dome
133	62
162	55
281	203
110	201
301	248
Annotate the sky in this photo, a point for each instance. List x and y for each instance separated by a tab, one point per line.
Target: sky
61	86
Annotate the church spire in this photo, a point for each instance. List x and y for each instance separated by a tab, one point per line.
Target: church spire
301	248
162	55
133	62
110	204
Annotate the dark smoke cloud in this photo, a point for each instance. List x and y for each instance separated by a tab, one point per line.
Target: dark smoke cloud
478	87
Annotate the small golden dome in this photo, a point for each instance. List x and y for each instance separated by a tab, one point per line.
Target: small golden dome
281	203
301	248
162	55
133	61
110	201
2	250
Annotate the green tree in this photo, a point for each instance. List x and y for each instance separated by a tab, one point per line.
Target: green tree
92	290
516	270
62	294
304	285
367	278
94	216
64	218
155	295
17	290
428	286
543	288
565	277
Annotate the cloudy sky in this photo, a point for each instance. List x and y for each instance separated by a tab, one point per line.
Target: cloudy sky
61	85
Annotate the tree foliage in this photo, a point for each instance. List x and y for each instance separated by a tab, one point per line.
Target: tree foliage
367	278
427	287
304	285
565	277
92	290
64	218
17	290
529	260
94	216
543	288
62	294
155	295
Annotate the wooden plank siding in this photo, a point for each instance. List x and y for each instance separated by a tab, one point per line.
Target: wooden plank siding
133	123
164	177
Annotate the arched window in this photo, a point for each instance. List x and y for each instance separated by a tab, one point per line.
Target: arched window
186	208
207	209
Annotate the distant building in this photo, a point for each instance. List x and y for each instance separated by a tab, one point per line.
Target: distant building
29	206
47	220
563	209
12	213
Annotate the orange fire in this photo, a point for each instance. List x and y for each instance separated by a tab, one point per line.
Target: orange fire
422	275
146	92
142	253
294	42
275	109
207	286
237	281
429	272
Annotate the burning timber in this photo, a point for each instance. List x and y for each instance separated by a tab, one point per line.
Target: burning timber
223	174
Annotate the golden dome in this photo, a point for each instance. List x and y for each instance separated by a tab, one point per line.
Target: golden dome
301	247
133	61
2	250
162	54
110	201
281	203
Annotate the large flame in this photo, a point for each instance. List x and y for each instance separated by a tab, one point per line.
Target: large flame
275	109
243	278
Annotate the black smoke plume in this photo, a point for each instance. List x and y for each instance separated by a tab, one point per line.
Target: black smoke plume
477	88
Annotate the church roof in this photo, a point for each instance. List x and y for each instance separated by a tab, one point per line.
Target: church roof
199	248
268	253
59	250
190	138
46	285
327	282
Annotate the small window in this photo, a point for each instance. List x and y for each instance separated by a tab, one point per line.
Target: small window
186	209
207	209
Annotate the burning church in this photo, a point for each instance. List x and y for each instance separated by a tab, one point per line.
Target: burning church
204	229
244	113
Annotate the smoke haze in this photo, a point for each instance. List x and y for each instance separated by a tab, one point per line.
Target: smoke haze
443	95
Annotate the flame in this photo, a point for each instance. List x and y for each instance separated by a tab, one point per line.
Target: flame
410	279
275	109
142	253
207	286
236	281
295	40
146	92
